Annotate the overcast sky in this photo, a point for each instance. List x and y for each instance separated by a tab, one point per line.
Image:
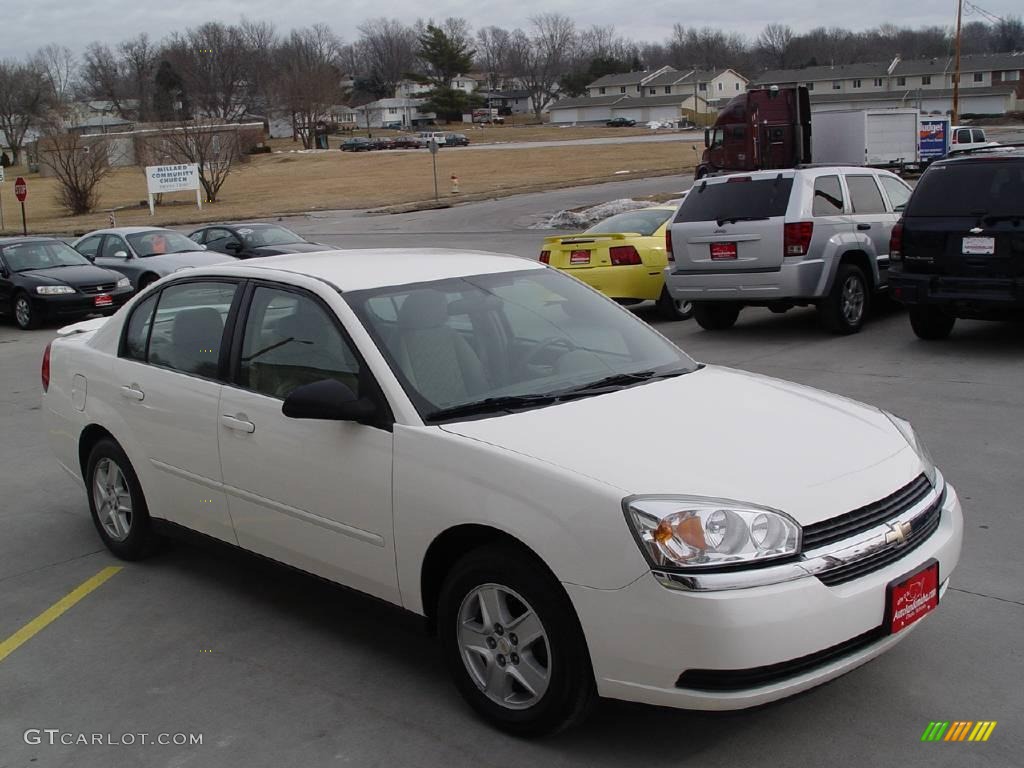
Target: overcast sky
27	24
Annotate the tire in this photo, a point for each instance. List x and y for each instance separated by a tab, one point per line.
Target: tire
129	533
715	315
931	323
844	309
25	315
558	659
670	309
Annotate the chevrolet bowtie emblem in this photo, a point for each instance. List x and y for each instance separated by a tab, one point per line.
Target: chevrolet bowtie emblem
897	533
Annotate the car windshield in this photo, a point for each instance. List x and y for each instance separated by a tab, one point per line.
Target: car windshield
982	187
159	241
41	254
644	222
259	236
737	198
500	342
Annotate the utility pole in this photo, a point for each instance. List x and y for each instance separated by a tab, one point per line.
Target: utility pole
956	65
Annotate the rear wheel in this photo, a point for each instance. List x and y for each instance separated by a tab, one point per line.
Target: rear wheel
117	503
25	315
931	323
715	315
513	644
673	309
844	309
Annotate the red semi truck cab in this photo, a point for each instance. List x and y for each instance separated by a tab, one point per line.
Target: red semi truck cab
762	128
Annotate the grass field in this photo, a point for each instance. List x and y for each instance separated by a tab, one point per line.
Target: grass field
293	183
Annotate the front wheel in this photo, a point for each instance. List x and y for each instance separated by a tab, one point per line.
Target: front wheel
513	645
25	315
715	315
673	309
931	323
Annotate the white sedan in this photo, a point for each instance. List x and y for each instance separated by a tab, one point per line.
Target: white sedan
579	508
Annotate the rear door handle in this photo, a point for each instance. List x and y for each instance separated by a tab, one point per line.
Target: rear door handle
862	227
132	392
239	425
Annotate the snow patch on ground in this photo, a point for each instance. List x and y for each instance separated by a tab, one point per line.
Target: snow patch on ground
583	218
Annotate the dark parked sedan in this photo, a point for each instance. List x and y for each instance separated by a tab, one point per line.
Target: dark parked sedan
249	241
46	279
620	122
357	144
456	140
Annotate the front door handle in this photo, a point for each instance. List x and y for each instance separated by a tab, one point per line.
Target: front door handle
132	392
239	425
863	227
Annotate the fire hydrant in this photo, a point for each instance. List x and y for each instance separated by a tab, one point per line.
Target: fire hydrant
455	184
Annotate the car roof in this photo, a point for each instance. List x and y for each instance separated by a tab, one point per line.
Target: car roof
237	224
127	230
355	270
994	152
787	173
27	239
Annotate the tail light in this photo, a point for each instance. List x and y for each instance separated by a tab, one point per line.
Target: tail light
896	242
45	370
796	238
624	255
545	257
668	244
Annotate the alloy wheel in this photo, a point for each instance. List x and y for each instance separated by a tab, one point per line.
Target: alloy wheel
852	304
23	312
113	500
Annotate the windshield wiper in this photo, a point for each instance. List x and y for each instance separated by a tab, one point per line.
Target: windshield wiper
616	381
734	219
506	403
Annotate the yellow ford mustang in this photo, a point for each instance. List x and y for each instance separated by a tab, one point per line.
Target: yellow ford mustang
623	257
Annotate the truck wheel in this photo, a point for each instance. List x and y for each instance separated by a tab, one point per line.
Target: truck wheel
715	315
844	309
670	309
931	323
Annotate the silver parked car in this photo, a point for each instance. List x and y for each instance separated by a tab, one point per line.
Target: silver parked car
145	254
785	238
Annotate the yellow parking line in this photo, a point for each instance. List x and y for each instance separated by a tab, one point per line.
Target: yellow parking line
40	622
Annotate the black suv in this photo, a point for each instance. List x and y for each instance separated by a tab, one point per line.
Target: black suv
959	249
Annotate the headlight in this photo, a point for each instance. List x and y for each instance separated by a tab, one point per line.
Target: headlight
915	442
698	532
124	282
53	290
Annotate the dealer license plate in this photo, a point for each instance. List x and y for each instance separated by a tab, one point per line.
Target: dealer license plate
103	300
979	245
911	597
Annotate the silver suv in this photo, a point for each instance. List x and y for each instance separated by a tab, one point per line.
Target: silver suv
781	239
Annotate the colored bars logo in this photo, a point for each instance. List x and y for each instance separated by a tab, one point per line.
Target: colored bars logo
959	730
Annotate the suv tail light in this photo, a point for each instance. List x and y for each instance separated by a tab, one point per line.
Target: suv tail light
45	370
668	243
545	257
796	238
624	255
896	242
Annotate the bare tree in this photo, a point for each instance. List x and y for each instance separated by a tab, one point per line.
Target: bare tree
387	52
23	101
103	79
492	54
59	68
138	63
309	77
212	61
773	43
78	163
539	60
261	41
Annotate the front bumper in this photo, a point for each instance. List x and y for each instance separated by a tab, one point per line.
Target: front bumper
640	282
643	637
795	279
78	304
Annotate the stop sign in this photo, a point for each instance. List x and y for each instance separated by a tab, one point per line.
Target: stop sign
20	189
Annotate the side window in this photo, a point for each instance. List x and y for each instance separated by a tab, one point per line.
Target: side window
218	238
978	135
113	244
136	337
291	340
864	194
188	327
828	196
897	192
199	237
963	136
89	246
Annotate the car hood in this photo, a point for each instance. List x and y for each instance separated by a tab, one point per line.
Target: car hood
273	250
84	274
719	433
168	262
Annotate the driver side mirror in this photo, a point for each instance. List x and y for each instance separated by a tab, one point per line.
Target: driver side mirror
900	208
232	245
120	254
707	138
90	256
328	400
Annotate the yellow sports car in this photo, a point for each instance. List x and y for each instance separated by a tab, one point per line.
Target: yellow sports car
623	257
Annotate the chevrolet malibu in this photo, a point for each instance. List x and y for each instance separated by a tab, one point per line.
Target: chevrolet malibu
457	433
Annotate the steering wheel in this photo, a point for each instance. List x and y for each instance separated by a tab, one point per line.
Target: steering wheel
546	344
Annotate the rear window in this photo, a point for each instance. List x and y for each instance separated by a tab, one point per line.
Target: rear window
644	222
759	199
975	188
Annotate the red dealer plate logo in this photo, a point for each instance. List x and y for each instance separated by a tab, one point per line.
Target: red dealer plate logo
103	300
722	251
912	597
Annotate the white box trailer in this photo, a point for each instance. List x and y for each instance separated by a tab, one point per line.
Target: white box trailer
876	137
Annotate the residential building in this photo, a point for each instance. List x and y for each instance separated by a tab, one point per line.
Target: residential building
990	84
393	113
512	102
409	89
599	109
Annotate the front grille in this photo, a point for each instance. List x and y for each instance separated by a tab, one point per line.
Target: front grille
859	520
742	679
921	529
102	288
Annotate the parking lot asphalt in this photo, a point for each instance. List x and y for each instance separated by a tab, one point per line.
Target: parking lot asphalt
275	668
